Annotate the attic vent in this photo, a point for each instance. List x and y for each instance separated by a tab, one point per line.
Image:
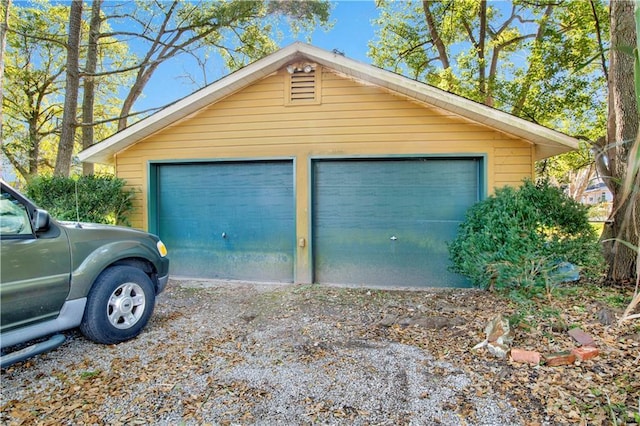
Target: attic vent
303	84
303	87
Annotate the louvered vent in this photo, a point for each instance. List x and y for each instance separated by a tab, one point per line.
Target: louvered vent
303	87
303	84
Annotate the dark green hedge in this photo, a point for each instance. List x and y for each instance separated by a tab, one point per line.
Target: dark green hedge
100	199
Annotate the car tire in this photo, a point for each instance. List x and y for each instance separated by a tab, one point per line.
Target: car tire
119	305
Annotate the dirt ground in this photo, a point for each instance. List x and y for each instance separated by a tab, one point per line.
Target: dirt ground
242	353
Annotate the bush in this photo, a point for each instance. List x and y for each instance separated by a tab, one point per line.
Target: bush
100	199
521	239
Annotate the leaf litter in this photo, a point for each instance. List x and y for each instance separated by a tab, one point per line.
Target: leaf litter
242	353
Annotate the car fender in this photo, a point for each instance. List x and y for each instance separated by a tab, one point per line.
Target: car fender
84	275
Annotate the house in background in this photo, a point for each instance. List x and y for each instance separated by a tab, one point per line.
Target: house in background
596	193
599	199
307	166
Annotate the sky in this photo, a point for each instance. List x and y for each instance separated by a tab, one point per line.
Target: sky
350	34
352	30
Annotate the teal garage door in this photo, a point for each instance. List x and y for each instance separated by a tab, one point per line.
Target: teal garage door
387	222
228	220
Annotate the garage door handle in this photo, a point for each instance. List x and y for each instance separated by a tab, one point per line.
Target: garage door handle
393	238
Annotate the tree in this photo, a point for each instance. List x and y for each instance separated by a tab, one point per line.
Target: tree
618	154
574	171
32	88
238	30
476	49
89	90
35	83
72	87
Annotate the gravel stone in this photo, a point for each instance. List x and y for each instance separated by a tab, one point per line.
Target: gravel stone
244	353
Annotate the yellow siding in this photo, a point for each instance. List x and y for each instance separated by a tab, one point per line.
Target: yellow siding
350	119
512	165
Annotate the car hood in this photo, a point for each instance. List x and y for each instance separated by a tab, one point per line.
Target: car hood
101	227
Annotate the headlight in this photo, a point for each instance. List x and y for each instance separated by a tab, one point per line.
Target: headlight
162	249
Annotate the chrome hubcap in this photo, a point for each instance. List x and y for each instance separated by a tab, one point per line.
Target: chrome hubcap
126	305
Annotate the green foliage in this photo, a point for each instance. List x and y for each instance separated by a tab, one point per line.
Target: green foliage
100	199
537	60
233	33
246	31
34	85
33	81
518	238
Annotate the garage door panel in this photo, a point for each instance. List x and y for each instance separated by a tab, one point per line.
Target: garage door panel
412	259
220	264
228	220
387	222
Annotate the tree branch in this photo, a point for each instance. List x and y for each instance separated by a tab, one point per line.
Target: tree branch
603	59
435	35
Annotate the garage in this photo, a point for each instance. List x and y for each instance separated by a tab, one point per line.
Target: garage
361	180
231	220
387	221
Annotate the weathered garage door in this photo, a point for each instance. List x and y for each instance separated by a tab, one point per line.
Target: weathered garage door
228	220
387	222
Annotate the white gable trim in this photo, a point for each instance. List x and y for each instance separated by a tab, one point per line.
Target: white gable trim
549	142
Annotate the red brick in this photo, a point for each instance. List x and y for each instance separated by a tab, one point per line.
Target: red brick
585	352
559	358
521	355
581	337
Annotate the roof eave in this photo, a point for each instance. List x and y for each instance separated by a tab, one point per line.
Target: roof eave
548	142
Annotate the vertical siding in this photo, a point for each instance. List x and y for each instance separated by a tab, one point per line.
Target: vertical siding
351	119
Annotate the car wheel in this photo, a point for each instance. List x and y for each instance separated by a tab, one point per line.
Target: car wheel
118	306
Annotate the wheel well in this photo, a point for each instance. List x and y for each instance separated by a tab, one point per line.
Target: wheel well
139	263
142	264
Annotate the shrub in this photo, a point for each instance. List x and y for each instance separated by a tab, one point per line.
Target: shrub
100	199
521	238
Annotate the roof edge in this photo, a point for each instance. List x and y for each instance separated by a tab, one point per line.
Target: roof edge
551	142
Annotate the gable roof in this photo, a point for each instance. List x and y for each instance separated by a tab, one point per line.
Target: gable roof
549	142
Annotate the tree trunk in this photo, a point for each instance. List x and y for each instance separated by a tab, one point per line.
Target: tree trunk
142	78
88	99
484	91
69	124
524	91
579	181
623	225
435	36
34	148
161	49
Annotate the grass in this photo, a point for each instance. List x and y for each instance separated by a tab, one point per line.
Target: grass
598	226
85	375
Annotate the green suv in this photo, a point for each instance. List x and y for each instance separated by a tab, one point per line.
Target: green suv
56	276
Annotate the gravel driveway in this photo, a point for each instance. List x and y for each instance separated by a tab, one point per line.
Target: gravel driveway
241	353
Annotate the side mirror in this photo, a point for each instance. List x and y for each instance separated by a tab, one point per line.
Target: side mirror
41	220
